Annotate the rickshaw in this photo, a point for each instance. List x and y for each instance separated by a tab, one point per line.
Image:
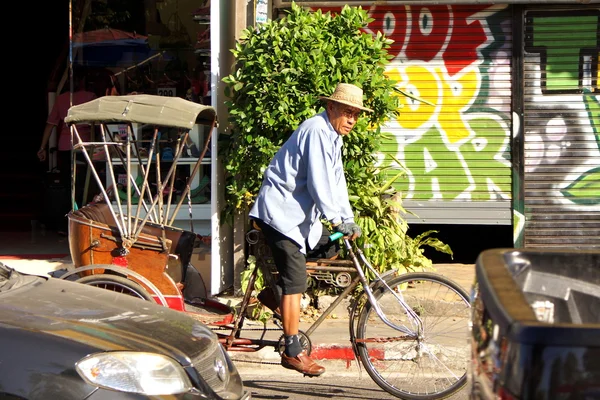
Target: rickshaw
125	239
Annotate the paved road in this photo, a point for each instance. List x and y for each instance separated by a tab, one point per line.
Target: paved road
275	382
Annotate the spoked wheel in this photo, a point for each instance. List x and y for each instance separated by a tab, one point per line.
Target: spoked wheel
429	367
117	284
304	342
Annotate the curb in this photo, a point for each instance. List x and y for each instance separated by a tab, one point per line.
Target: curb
332	352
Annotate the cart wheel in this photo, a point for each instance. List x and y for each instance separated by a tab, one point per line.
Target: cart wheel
117	284
304	342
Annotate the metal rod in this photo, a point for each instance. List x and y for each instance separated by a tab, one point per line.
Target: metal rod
372	298
333	305
98	180
146	172
178	152
158	195
194	171
329	268
128	169
115	188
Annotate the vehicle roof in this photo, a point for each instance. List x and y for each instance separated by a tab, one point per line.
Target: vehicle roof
143	109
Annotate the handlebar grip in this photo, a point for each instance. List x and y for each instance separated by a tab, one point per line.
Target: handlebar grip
335	236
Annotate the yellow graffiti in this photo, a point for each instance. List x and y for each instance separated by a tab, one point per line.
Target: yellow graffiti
452	97
458	95
420	82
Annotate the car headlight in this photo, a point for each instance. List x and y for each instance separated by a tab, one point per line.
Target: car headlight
134	372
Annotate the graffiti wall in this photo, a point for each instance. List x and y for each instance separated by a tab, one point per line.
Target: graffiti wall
456	149
561	128
461	164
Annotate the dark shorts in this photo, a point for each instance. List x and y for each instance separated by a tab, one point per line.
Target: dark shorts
289	261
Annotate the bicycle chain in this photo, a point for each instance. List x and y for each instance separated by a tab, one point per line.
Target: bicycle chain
220	328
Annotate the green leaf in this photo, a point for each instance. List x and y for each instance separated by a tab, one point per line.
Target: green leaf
585	189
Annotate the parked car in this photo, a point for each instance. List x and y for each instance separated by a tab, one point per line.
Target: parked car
535	330
65	340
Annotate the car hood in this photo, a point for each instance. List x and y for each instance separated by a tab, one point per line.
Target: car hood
103	320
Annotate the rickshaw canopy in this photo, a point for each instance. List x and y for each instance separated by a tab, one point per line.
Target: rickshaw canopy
142	109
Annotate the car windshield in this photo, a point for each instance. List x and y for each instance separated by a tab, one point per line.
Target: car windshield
12	279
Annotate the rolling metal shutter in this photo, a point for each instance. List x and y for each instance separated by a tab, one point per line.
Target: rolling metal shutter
457	152
561	128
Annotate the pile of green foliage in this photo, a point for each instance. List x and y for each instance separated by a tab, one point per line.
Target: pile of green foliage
283	66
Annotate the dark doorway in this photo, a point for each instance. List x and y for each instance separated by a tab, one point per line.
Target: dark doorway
466	241
34	55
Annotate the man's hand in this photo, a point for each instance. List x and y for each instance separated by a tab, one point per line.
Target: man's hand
349	229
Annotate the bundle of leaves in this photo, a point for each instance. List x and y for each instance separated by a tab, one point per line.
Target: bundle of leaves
283	66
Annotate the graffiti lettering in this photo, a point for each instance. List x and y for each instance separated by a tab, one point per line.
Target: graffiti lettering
564	64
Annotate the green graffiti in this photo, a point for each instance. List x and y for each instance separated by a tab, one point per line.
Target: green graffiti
585	189
478	170
593	108
489	174
561	54
518	225
437	172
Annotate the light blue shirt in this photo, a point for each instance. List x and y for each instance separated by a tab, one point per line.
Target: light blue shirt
305	182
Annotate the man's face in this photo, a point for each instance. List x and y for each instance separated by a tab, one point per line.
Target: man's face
342	117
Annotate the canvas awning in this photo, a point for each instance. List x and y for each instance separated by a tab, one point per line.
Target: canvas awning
143	109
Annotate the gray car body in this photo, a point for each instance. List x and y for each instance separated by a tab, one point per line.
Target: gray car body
48	324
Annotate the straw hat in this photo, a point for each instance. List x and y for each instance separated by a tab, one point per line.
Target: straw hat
348	94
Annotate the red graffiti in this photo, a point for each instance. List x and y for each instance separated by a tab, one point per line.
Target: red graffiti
424	33
467	36
430	28
392	22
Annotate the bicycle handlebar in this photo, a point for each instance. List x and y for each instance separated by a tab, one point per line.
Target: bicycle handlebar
335	236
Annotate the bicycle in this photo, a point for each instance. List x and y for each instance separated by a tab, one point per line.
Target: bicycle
409	331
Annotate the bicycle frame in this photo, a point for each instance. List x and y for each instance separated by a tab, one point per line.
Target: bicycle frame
369	293
233	342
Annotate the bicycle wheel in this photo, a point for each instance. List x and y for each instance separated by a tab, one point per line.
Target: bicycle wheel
117	284
429	367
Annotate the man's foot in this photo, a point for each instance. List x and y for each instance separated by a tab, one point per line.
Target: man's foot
302	363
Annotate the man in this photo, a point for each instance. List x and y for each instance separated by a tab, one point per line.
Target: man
304	183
